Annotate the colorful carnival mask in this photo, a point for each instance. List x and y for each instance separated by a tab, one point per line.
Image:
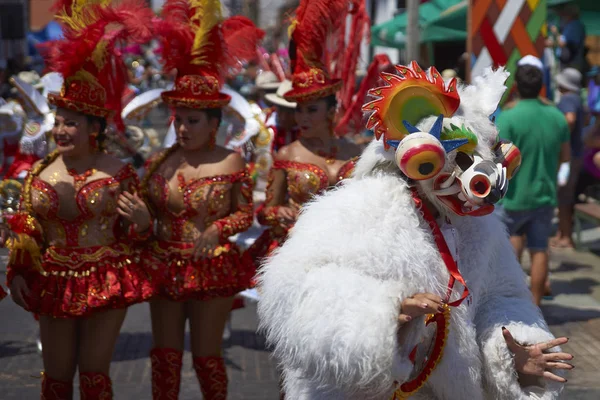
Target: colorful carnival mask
448	161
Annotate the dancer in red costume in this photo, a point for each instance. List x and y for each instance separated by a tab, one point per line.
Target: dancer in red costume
71	259
33	144
318	160
12	120
200	195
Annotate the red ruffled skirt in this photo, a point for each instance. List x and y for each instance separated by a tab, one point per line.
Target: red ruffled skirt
2	293
179	278
265	244
76	282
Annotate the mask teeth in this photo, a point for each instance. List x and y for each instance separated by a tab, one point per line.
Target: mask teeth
448	182
447	191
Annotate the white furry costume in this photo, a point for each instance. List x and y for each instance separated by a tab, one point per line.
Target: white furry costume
331	296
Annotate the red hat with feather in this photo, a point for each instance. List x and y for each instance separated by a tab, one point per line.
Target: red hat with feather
203	48
88	57
318	24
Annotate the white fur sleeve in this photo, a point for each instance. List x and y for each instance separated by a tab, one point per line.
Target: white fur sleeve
337	326
526	324
331	295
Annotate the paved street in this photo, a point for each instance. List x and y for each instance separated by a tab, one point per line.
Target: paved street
574	312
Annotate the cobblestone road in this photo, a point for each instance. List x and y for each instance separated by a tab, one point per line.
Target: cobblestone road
574	312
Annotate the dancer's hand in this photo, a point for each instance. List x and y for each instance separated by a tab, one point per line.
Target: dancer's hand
531	360
286	216
134	209
19	290
420	304
5	234
206	243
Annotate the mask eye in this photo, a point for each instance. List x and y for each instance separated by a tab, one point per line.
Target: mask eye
420	156
509	155
463	160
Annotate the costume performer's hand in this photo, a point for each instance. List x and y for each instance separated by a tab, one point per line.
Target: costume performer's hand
5	234
286	216
206	243
134	209
420	304
19	290
531	360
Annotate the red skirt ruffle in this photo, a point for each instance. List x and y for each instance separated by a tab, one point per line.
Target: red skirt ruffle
75	282
179	278
2	293
265	244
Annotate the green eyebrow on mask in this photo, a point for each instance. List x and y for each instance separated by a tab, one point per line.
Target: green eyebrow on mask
455	132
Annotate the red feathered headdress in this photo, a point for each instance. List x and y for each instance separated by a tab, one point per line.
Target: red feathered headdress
317	73
203	48
95	76
352	120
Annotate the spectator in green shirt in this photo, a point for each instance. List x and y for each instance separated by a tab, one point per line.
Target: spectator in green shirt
541	132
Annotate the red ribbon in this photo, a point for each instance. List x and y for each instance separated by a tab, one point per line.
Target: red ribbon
442	246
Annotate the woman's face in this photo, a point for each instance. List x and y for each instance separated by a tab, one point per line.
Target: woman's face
193	128
72	132
314	118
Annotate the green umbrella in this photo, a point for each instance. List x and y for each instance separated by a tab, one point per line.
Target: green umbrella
449	26
584	5
392	33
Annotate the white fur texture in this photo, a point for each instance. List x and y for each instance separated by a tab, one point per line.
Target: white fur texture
331	295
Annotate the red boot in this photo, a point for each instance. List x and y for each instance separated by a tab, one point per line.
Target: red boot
166	373
95	386
56	390
212	376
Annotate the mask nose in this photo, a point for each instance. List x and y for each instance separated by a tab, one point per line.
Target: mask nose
480	183
494	196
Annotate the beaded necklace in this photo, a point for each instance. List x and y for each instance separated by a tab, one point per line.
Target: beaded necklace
80	179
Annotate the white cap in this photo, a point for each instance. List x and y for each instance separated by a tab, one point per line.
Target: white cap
531	60
277	97
267	80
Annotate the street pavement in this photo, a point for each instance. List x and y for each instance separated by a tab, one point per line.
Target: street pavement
573	312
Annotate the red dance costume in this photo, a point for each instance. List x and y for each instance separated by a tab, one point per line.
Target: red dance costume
303	181
79	264
87	264
202	47
316	22
199	203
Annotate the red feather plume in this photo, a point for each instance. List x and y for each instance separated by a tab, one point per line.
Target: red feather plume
315	21
91	34
346	60
352	119
228	42
241	38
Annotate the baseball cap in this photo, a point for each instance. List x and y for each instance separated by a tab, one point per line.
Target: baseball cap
531	60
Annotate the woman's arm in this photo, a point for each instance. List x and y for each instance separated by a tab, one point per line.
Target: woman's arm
276	193
241	216
136	220
275	211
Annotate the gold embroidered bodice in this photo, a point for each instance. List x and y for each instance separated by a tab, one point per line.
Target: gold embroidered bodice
96	221
184	214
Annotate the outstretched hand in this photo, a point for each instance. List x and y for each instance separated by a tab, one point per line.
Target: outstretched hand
420	304
19	291
532	360
5	234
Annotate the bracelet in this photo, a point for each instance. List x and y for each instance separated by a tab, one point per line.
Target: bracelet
137	236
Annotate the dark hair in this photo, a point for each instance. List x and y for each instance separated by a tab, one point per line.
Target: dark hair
214	113
331	101
91	119
529	81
